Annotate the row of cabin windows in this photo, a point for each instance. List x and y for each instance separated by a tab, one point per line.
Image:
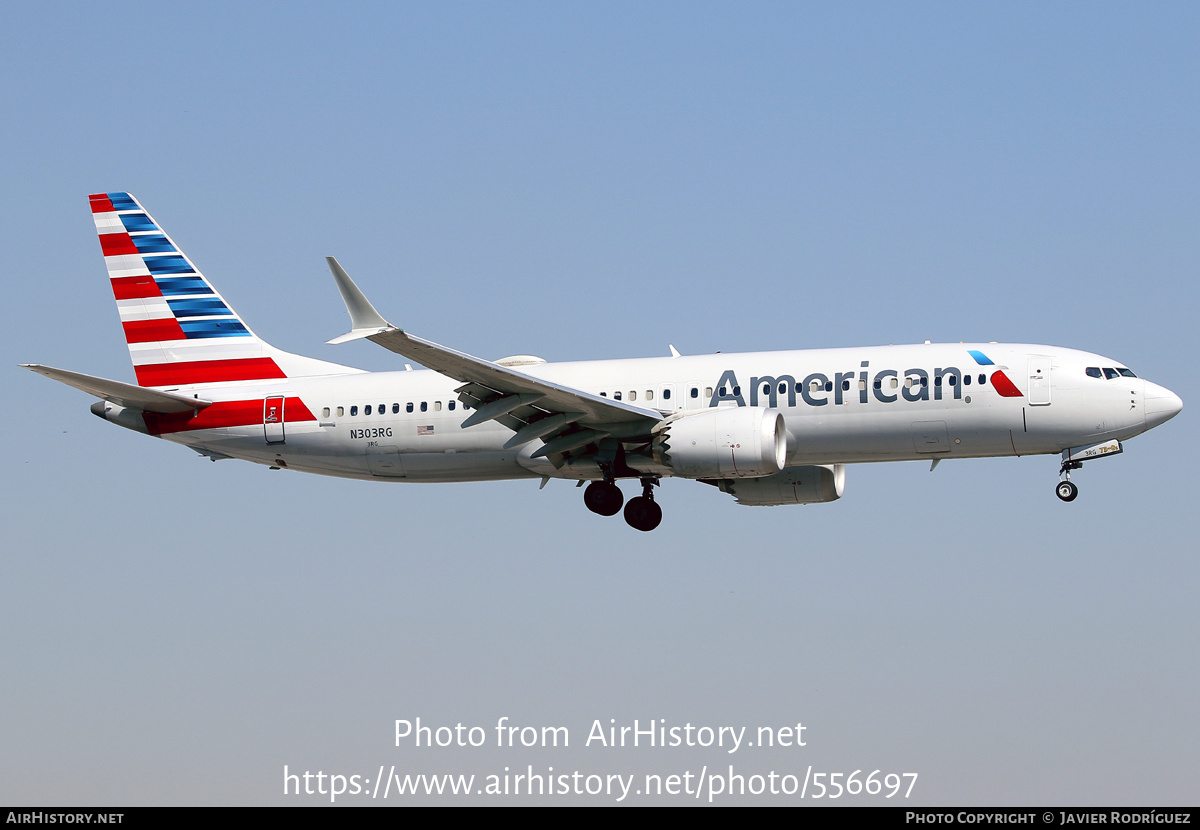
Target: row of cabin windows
1109	373
382	408
694	392
648	395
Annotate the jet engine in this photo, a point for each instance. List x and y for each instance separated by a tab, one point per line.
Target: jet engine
730	442
795	485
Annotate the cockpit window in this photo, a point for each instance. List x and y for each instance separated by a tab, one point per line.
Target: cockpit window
1110	373
1125	373
1094	372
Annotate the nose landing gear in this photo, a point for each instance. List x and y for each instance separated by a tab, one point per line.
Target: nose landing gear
1066	490
1073	458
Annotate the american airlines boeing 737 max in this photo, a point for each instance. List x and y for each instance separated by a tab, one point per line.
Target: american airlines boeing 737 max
769	428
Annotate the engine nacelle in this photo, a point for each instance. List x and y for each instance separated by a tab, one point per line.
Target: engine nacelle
795	485
730	442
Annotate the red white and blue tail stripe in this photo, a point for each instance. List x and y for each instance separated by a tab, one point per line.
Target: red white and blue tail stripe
180	331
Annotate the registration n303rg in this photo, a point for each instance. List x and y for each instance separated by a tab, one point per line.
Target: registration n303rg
375	432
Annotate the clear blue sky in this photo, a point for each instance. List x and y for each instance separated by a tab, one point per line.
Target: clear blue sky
579	182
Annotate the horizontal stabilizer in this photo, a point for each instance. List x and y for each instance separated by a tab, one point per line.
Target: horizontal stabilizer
122	394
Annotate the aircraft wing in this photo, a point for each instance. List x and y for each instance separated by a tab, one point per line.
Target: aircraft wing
515	399
122	394
549	395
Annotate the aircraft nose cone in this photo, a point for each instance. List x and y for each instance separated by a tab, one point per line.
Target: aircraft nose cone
1161	405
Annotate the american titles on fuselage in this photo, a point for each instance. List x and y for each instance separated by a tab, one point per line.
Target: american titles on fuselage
885	385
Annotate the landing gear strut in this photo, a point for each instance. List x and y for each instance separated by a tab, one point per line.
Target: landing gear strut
1066	490
642	513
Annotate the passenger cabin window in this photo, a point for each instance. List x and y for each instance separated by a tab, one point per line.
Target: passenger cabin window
424	406
367	409
382	409
353	410
649	394
437	406
395	409
695	393
408	407
708	392
341	411
633	395
616	396
982	380
325	412
666	394
450	406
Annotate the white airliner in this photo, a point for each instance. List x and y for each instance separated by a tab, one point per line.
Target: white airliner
769	428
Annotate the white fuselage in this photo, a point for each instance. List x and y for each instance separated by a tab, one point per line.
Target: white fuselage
880	403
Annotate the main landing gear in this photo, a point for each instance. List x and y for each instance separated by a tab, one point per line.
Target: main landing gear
603	497
641	513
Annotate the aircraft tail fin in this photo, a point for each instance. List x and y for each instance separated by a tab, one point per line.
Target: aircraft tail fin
179	330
